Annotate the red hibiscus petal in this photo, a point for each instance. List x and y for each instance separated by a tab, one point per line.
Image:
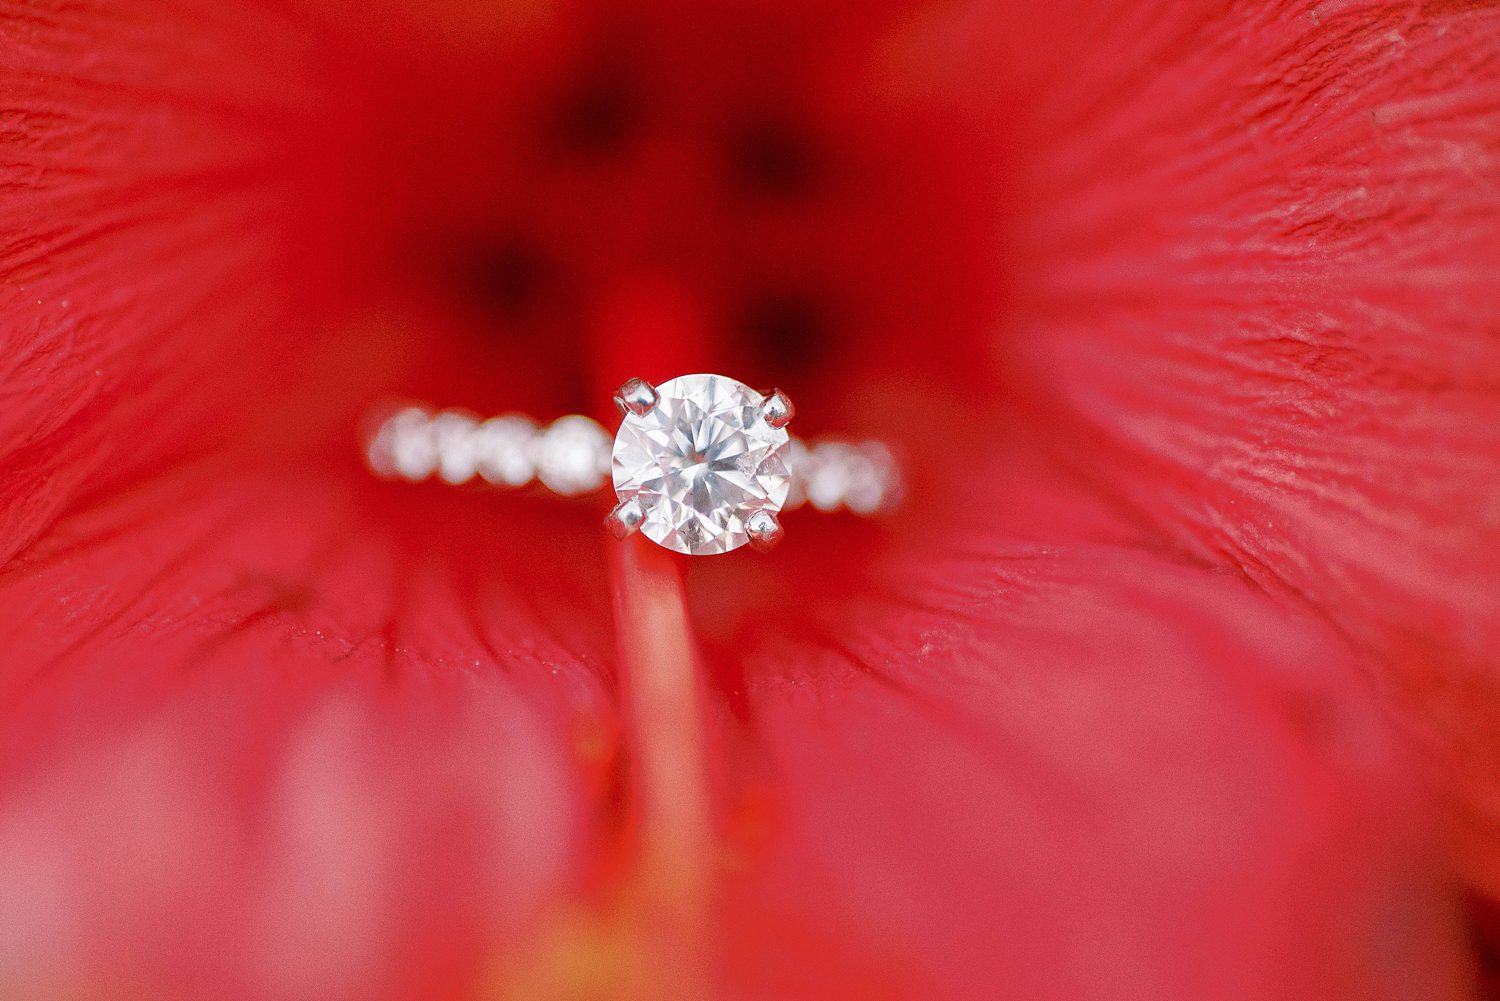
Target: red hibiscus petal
248	740
368	732
1259	308
160	194
1148	783
282	726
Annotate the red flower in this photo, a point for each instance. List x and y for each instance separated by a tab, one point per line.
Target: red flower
1187	316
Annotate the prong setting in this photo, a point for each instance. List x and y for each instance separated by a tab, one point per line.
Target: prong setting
777	409
626	518
636	396
764	530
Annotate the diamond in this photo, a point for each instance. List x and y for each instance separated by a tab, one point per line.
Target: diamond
406	445
453	437
700	463
504	445
570	457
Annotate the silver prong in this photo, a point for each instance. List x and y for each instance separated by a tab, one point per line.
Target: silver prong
636	396
778	410
764	530
626	518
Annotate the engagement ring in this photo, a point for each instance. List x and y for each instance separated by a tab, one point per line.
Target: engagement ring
701	464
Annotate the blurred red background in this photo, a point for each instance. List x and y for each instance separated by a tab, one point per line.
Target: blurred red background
1174	678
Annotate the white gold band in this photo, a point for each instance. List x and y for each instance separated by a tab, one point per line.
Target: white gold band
571	457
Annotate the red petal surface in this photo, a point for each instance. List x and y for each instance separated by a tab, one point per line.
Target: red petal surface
294	750
1146	783
1261	311
254	748
274	729
144	238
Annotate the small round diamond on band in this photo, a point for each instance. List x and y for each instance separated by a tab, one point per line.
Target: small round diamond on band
701	464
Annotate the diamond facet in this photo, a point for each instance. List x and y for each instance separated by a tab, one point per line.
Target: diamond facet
701	463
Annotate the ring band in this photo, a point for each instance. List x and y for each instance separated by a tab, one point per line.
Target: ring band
701	464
